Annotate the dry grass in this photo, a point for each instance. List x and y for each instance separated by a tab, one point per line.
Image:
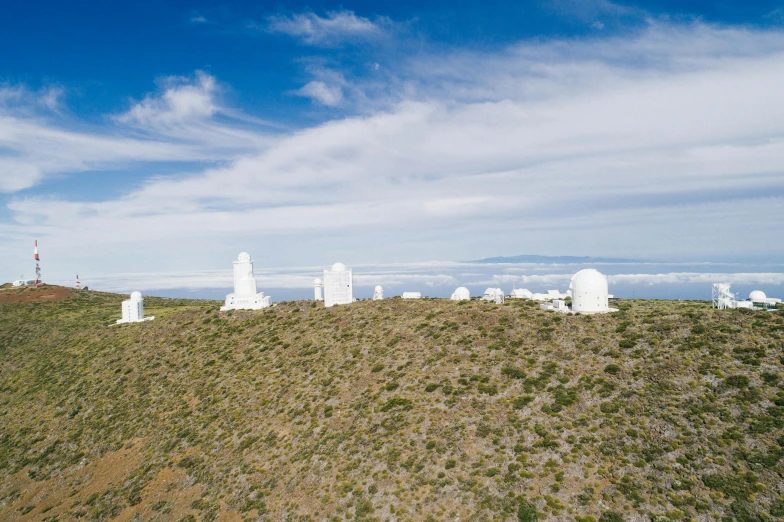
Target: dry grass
389	410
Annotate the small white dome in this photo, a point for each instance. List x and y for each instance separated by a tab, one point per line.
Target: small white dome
244	257
758	296
338	267
136	296
317	281
378	288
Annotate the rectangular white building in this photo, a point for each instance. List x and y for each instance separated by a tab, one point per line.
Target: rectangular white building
338	285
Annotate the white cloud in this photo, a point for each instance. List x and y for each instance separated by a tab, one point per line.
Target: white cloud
322	93
181	100
336	27
597	147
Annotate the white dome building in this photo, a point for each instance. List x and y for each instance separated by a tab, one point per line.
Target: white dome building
133	310
378	293
590	292
461	294
757	296
338	285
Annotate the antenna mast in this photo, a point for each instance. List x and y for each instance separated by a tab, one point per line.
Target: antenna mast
38	280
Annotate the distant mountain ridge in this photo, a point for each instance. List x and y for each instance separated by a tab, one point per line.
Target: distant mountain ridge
554	259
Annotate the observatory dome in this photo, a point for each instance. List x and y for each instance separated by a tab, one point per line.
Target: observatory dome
757	296
136	296
589	291
378	288
244	257
461	294
338	267
317	281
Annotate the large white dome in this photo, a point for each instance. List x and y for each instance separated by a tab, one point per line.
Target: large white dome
244	257
338	267
461	294
590	291
758	296
136	296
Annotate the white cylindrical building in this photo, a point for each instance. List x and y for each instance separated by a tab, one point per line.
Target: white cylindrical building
461	294
590	292
317	286
378	293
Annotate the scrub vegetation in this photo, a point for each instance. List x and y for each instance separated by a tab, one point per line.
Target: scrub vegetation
389	410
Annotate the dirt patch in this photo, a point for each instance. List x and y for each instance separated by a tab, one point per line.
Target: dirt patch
25	294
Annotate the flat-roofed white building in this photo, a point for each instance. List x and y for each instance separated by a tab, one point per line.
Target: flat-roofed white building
133	310
411	295
245	296
521	293
338	285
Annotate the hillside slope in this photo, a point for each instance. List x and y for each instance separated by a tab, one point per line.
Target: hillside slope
389	410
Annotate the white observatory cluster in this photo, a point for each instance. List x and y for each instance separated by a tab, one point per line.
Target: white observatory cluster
589	292
722	298
245	296
338	285
133	310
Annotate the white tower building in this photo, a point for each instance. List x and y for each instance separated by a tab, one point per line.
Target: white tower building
590	292
245	296
378	293
461	294
133	310
338	285
317	286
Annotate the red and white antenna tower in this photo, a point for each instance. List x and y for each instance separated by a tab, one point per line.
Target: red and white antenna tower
38	280
78	284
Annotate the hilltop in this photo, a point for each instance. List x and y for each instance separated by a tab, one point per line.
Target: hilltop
389	410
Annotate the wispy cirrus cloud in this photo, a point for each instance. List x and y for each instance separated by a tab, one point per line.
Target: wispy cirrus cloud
333	29
329	95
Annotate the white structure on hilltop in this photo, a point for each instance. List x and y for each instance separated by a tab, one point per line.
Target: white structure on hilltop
245	296
338	285
557	305
23	282
411	295
551	295
760	300
133	310
461	294
590	293
378	293
721	297
317	286
520	293
495	295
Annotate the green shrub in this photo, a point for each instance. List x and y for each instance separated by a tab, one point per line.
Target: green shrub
612	369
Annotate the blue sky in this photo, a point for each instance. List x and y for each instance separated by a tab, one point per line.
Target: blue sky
153	136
